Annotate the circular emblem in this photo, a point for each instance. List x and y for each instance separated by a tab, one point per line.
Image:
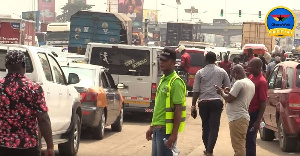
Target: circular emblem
104	25
77	30
280	22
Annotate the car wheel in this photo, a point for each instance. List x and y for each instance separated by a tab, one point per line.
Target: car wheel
286	143
71	147
266	134
117	126
99	131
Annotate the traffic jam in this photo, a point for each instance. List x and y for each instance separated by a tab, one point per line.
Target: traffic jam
97	75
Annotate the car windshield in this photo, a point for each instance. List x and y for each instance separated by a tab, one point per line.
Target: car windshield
197	59
58	36
86	76
41	37
135	62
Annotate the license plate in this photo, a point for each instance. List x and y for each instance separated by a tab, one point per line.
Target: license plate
148	110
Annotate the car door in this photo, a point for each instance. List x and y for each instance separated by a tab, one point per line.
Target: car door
50	92
61	88
109	97
275	84
117	96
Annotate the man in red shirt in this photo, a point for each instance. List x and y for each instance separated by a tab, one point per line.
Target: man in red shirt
185	59
250	57
258	104
226	65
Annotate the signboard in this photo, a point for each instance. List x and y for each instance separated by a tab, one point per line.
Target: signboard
151	15
9	33
47	10
133	9
33	16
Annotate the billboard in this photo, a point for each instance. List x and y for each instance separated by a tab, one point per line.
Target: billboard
47	10
152	15
33	16
133	9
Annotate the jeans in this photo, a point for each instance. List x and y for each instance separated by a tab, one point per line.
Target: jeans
210	113
251	136
19	152
158	146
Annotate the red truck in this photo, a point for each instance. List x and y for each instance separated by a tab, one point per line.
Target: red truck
17	31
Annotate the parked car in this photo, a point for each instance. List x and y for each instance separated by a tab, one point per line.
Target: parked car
62	99
282	115
102	103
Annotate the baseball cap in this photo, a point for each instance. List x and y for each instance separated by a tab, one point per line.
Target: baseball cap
168	54
14	57
181	48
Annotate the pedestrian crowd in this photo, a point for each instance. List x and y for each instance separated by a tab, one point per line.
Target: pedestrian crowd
241	85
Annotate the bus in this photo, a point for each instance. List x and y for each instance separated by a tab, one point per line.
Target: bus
58	34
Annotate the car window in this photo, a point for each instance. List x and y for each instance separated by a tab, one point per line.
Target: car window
46	66
104	81
289	77
120	61
279	77
29	67
58	73
86	76
272	78
110	80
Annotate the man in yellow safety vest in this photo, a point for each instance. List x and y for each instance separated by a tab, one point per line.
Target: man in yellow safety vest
170	107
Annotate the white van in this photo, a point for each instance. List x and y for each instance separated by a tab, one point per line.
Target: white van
136	67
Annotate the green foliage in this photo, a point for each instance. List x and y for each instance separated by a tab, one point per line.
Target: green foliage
70	9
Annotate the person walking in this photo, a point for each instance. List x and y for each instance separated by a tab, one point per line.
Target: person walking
238	100
272	65
226	64
169	110
257	105
210	103
185	62
23	109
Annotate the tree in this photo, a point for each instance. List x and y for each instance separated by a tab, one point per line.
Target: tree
70	9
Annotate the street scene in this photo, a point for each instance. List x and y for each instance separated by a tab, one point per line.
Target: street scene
149	77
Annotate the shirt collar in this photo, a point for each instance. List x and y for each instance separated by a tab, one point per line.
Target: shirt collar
260	75
169	76
210	65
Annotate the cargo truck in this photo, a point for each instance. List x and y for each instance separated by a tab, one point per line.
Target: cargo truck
177	32
17	31
98	27
256	33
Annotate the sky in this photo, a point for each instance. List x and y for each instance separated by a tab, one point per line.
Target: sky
208	9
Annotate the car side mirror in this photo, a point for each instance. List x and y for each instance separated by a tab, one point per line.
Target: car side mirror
121	86
278	83
73	78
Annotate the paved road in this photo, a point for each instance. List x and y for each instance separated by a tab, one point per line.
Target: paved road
131	141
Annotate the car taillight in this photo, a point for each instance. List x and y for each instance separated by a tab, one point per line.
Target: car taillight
153	91
294	101
89	97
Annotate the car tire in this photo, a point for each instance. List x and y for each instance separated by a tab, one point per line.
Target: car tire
100	130
287	144
118	124
266	134
71	147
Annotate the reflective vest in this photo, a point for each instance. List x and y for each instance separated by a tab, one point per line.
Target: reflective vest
170	107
